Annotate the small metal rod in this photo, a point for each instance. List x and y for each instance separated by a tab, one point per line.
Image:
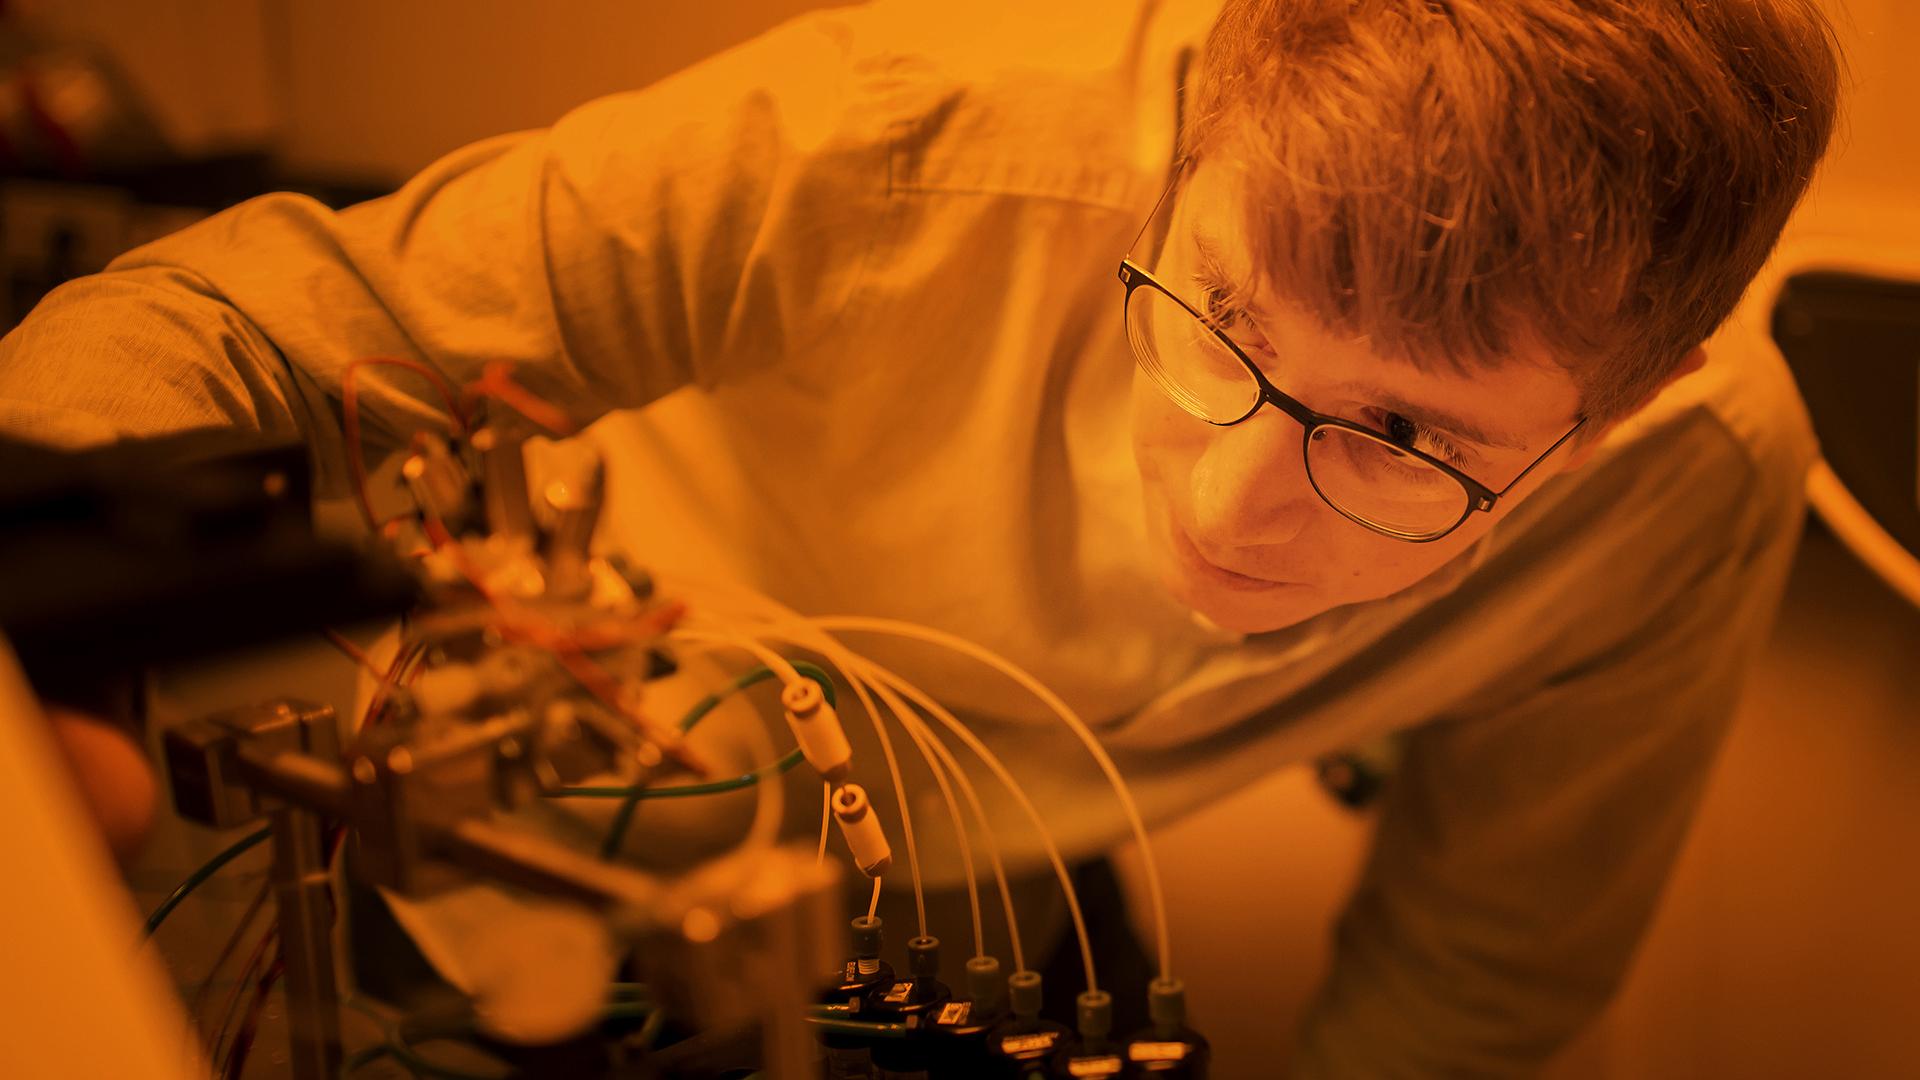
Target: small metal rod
509	855
301	891
503	471
535	863
306	781
857	1027
788	1050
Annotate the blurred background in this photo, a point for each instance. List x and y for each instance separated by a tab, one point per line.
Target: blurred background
1787	944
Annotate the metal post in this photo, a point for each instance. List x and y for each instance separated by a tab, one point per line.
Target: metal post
787	1046
300	889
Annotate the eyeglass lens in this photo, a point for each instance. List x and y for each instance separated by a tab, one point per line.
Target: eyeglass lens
1366	477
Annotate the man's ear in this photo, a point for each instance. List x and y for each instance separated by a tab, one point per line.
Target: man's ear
1591	438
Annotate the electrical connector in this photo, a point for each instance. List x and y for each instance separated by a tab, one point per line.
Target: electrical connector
958	1029
1024	1042
864	970
860	826
1092	1052
915	1001
846	1055
816	727
1168	1047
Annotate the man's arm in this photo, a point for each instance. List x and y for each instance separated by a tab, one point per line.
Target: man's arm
1522	852
686	233
679	234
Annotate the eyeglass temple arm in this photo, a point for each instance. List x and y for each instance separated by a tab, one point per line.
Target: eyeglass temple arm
1515	482
1179	169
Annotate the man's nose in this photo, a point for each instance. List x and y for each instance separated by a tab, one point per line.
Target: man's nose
1250	486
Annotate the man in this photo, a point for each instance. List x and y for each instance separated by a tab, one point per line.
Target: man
1413	443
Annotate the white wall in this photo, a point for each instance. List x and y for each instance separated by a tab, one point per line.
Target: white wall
379	88
383	86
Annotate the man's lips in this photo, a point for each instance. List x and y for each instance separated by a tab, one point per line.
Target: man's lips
1198	565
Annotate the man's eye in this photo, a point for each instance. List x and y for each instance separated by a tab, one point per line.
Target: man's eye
1401	429
1219	309
1219	305
1410	433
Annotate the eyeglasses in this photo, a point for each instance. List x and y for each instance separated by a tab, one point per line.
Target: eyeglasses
1374	478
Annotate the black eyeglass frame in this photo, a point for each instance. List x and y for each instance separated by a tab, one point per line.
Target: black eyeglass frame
1480	497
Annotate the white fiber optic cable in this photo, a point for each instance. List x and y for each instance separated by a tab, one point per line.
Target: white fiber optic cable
920	735
796	631
907	722
781	667
873	905
826	819
773	660
770	806
986	830
912	631
987	757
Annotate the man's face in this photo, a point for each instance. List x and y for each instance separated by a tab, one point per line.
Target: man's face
1239	533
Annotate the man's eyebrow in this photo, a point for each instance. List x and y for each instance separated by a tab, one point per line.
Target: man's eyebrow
1215	267
1435	418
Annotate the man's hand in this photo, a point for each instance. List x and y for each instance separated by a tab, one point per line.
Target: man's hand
112	774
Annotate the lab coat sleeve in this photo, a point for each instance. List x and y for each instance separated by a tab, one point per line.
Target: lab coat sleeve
1522	852
685	233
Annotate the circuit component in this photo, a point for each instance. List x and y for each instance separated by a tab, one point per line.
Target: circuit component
860	826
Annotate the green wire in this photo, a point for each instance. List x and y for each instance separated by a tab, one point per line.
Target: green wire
623	818
199	877
714	787
857	1027
649	1032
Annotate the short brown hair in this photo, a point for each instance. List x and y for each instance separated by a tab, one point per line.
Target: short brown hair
1455	179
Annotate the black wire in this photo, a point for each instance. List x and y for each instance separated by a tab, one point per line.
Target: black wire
199	877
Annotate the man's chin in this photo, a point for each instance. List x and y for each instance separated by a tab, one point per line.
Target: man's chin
1264	613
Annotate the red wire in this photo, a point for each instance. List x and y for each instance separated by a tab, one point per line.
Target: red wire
496	381
197	1008
355	653
243	1039
591	676
232	1002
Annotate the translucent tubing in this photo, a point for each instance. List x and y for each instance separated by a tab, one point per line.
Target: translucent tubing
781	666
771	805
920	736
1067	716
768	657
986	834
796	630
992	762
826	819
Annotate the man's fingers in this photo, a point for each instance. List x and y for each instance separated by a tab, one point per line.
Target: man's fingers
112	774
